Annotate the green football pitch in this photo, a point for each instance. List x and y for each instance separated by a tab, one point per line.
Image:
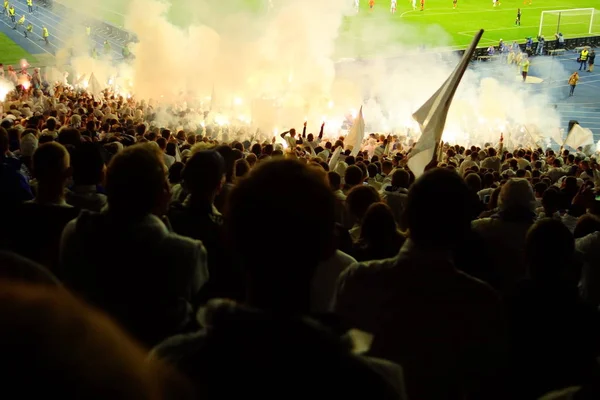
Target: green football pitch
377	31
12	53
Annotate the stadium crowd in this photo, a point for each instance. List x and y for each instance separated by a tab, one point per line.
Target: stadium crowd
149	263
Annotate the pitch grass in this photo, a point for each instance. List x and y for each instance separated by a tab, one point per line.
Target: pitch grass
11	53
441	25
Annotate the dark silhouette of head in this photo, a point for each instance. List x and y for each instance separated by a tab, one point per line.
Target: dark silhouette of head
301	199
439	209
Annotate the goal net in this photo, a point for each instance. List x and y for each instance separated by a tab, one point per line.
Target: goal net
571	23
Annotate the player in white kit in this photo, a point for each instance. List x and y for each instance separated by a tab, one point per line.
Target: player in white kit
414	4
356	5
393	6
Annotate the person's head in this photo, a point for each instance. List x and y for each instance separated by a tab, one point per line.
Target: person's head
256	149
175	172
439	192
360	199
473	181
204	175
517	194
488	180
401	178
51	165
378	225
279	188
335	180
162	143
372	170
387	167
88	164
252	159
171	149
69	136
136	182
72	351
550	248
354	176
540	189
242	168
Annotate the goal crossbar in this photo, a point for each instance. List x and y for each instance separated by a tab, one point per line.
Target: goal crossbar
591	11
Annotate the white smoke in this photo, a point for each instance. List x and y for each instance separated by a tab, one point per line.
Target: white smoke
276	68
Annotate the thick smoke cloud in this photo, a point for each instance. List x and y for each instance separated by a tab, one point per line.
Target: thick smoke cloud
277	66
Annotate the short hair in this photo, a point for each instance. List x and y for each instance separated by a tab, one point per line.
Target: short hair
335	180
135	179
473	181
360	199
550	249
51	124
354	175
50	162
401	178
279	188
373	170
242	167
251	158
204	172
87	163
162	143
540	187
69	136
446	192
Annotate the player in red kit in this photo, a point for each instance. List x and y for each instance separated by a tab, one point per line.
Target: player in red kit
422	5
371	4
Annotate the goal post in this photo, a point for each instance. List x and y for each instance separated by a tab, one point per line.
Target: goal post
571	22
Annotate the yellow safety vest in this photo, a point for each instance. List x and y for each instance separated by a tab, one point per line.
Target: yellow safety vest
22	20
525	66
584	55
29	28
30	3
11	11
6	5
88	30
45	32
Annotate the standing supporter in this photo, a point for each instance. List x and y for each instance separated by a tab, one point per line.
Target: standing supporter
150	276
36	226
417	328
270	336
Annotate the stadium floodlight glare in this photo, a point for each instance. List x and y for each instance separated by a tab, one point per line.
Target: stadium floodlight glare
572	22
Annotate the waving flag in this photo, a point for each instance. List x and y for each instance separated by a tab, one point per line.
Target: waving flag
432	115
357	133
94	88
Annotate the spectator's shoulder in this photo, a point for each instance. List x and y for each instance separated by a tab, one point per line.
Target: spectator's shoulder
367	270
185	245
479	289
176	348
481	222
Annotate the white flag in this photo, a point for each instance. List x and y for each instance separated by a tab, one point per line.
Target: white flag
335	158
432	115
94	88
357	133
579	137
